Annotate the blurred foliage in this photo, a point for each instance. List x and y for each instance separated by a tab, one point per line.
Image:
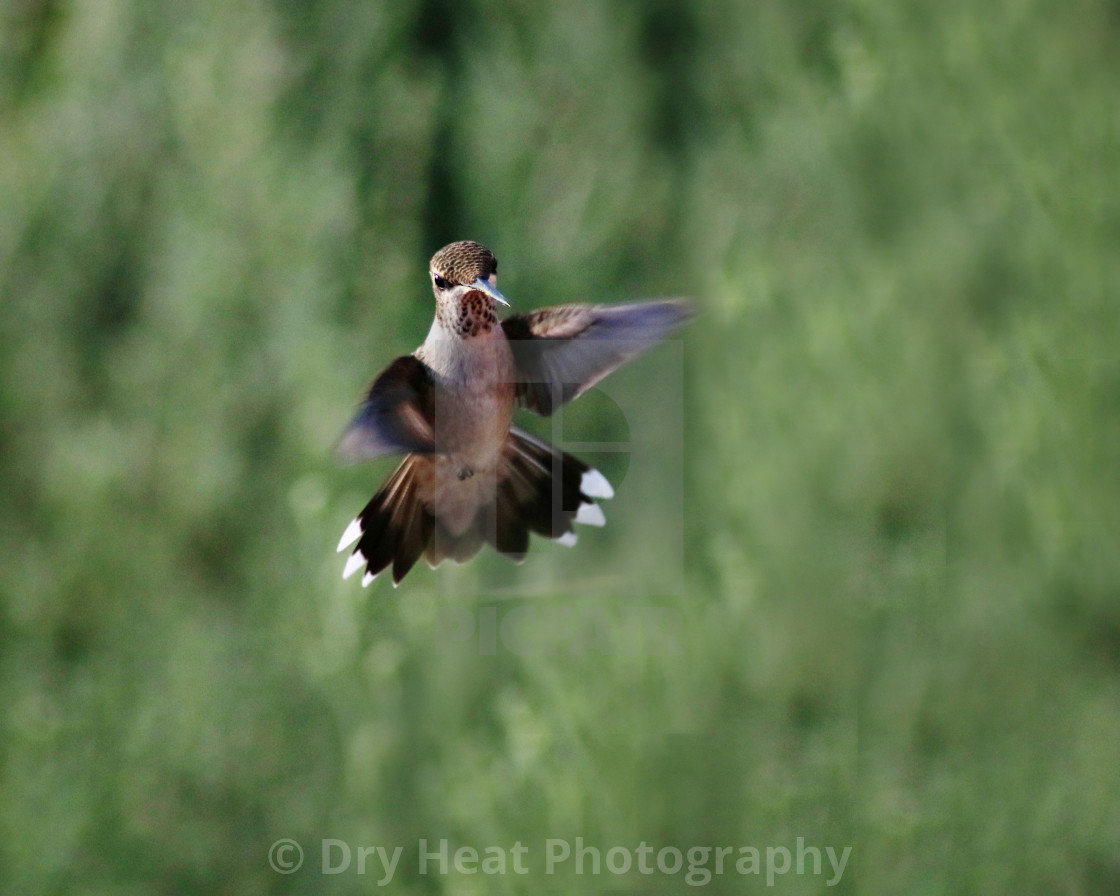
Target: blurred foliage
899	621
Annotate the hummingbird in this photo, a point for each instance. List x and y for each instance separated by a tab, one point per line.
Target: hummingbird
469	477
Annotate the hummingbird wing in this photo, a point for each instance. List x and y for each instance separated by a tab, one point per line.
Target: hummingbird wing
396	416
562	352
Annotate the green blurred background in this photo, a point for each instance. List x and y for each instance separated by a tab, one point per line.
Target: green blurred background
899	626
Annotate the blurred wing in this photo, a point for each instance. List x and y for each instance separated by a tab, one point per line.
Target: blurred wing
562	352
396	415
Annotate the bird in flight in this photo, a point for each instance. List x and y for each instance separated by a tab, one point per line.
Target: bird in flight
469	476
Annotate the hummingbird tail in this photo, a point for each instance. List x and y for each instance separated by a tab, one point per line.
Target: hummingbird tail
540	489
544	490
394	528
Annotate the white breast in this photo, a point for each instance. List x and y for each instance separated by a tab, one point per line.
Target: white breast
474	409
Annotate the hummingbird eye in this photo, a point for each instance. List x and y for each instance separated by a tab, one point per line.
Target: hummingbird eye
440	282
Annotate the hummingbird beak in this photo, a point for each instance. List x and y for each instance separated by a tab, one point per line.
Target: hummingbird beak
490	289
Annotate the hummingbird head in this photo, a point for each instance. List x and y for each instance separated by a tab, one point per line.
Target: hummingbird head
464	279
462	267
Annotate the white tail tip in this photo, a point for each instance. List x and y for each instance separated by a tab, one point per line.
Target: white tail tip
353	533
590	515
357	561
594	484
367	578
